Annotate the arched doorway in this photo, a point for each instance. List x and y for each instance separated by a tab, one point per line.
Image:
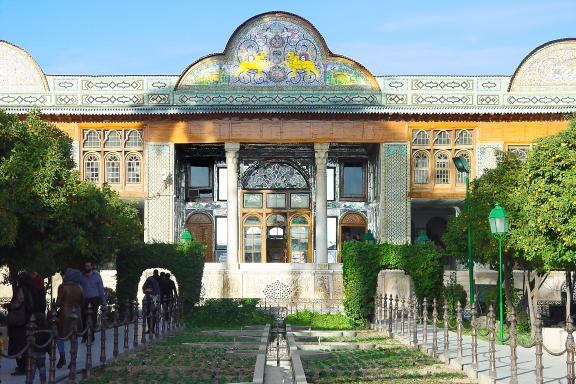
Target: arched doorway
201	228
435	229
276	215
352	227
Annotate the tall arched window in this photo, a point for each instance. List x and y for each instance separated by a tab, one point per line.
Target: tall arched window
442	167
92	168
464	137
299	239
133	168
421	163
113	139
112	175
461	176
420	138
252	239
133	139
91	139
442	138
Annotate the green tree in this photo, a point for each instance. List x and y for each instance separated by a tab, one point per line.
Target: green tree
52	219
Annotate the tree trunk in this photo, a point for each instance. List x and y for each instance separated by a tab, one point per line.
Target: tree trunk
508	281
531	311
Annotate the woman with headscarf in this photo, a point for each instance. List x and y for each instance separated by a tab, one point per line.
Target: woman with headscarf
20	309
70	298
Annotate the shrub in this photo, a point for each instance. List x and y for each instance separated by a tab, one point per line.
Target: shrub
184	260
454	293
228	313
362	262
320	320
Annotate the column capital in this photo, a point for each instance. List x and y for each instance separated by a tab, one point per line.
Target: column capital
321	147
231	147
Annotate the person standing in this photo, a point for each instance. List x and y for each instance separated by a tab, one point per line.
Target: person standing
172	291
70	298
151	290
93	290
40	292
20	309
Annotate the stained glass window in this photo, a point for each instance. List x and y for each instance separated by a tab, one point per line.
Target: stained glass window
275	176
299	200
252	200
252	240
276	200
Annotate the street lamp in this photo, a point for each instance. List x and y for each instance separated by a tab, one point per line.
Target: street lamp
463	166
499	222
369	237
186	235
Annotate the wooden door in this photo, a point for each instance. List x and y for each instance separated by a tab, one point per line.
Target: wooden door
201	228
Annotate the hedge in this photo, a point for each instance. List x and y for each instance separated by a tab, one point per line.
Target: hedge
184	260
362	262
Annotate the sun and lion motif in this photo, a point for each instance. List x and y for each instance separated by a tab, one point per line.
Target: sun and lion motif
281	50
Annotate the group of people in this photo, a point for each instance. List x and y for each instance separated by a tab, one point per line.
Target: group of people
161	289
77	291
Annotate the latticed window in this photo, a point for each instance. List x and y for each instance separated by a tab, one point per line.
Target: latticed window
252	239
464	137
421	167
133	139
519	151
112	175
442	138
442	167
133	168
92	168
420	138
91	139
461	176
113	139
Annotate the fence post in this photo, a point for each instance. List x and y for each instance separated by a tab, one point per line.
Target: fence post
384	310
403	315
115	351
126	322
103	335
158	318
491	344
434	329
54	327
425	323
376	310
539	341
136	316
414	323
446	334
570	351
30	339
396	314
89	312
409	317
513	341
459	330
474	338
390	307
73	346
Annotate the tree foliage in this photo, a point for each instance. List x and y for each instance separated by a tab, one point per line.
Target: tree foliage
50	219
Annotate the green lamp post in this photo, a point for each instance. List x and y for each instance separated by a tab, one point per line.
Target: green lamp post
499	223
186	235
422	237
463	166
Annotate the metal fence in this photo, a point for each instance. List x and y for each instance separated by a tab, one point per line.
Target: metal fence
401	316
165	318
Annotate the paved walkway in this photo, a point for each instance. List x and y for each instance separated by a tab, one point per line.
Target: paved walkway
554	367
8	365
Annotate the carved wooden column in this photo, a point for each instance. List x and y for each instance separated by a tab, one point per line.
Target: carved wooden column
321	219
232	201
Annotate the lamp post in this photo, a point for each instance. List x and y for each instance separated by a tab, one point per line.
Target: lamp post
463	166
369	237
186	235
499	222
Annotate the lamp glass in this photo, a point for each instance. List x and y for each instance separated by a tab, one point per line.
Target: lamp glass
186	235
461	164
499	220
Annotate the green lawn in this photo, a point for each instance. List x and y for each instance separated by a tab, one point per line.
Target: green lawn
389	362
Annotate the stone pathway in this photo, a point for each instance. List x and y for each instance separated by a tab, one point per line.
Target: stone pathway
8	365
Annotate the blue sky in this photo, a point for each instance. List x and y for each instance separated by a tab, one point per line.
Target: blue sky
400	37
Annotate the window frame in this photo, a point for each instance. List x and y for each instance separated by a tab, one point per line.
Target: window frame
99	162
221	190
364	165
427	169
198	189
333	169
119	166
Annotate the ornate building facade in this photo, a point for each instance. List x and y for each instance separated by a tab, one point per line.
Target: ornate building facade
277	150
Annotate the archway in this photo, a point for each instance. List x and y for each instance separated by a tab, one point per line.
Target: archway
200	226
149	272
435	228
352	227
